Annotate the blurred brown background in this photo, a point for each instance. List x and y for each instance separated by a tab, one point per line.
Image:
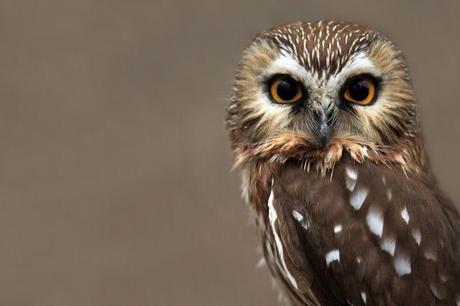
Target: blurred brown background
115	183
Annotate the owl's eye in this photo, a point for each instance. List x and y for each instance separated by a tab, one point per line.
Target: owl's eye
360	90
285	90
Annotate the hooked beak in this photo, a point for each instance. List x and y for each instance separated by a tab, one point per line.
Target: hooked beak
323	129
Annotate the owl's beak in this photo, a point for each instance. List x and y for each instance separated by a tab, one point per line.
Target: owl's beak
323	130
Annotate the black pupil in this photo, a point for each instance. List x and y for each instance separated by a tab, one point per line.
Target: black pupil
359	89
287	89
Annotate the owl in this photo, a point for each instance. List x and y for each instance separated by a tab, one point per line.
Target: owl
323	125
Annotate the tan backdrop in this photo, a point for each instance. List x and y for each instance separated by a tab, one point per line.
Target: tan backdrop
115	183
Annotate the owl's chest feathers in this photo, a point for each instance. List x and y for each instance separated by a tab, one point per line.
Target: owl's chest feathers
307	175
321	168
363	220
262	163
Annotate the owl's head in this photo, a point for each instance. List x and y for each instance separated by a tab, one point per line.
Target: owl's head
324	82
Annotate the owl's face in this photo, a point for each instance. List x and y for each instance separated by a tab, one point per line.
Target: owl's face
323	81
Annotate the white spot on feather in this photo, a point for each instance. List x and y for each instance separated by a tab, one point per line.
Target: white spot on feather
389	245
375	221
364	297
417	235
337	228
352	173
298	216
331	256
350	184
358	197
301	219
405	215
351	177
402	265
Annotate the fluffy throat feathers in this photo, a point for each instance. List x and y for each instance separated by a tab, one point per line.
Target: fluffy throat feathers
408	155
